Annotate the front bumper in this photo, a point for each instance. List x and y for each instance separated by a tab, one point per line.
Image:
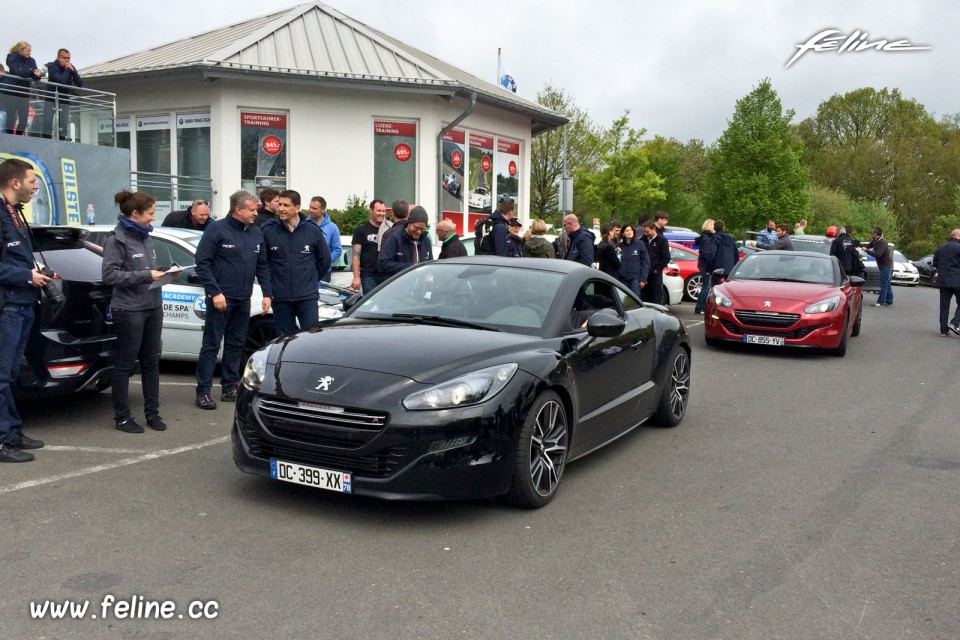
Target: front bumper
820	331
404	460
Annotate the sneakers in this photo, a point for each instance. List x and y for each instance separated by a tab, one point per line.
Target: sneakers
156	423
10	453
21	441
206	402
945	334
954	328
129	426
878	305
229	394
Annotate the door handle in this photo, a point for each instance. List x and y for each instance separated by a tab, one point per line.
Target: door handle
636	345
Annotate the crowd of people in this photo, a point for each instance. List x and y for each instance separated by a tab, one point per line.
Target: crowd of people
290	252
18	78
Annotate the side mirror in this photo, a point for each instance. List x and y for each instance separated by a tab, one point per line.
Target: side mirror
604	325
857	281
352	301
193	278
719	274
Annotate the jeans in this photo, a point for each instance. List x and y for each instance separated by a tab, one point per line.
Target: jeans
369	283
633	284
230	326
886	289
15	322
704	292
946	295
138	338
49	109
287	313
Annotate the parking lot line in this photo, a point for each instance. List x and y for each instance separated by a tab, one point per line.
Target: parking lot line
112	465
90	449
179	384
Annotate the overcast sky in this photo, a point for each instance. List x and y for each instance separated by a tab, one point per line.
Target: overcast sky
678	66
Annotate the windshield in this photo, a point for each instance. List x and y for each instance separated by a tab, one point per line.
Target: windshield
899	257
786	267
510	299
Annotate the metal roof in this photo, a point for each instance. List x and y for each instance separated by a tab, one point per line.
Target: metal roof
315	40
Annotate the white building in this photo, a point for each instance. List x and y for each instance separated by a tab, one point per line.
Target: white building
312	100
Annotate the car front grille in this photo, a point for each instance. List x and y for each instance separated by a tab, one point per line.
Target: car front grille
767	319
796	334
316	424
380	464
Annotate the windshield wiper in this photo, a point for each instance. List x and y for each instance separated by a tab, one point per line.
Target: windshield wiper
440	320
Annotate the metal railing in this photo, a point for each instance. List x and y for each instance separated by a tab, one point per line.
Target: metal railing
49	108
166	187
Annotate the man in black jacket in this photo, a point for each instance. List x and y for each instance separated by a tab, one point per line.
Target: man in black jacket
21	284
407	247
269	203
725	252
298	255
581	241
844	248
451	245
782	243
196	216
946	262
491	232
658	247
230	254
60	71
879	248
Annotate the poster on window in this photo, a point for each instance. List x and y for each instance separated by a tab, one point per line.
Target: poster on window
263	151
480	174
453	168
394	161
508	171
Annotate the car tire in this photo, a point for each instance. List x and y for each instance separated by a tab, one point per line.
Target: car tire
691	287
665	299
858	322
540	454
841	349
260	332
675	395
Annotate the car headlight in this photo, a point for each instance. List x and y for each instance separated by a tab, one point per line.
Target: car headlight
255	370
466	390
824	306
721	300
329	313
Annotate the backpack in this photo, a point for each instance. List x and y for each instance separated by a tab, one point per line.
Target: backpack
483	238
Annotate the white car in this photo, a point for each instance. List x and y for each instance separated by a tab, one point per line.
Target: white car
904	273
480	198
184	303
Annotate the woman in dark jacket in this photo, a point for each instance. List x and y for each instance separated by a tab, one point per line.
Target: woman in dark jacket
21	72
608	260
706	250
634	259
130	267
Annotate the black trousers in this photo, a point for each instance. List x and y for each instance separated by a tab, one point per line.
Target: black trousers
138	338
653	292
946	295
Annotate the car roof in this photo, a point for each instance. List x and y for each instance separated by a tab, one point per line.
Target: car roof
811	238
557	266
804	254
175	232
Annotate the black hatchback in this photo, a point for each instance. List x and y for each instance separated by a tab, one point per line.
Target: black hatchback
71	342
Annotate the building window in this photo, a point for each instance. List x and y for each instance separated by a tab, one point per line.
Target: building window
193	157
394	161
263	151
153	159
507	169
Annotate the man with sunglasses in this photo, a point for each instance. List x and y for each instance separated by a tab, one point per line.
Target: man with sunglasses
407	247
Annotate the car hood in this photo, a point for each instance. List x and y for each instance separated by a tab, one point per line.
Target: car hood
755	294
424	353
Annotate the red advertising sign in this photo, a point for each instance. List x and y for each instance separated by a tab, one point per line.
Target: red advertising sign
402	152
512	168
485	164
272	145
456	135
266	120
457	159
481	142
382	128
505	146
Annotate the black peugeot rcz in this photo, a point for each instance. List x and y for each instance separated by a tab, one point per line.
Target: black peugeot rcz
464	378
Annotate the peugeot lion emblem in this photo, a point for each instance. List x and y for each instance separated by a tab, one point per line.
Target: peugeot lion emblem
323	384
766	303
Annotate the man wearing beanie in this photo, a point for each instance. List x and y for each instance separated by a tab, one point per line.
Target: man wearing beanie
408	247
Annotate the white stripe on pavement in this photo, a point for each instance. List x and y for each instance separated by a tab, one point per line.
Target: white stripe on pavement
112	465
90	449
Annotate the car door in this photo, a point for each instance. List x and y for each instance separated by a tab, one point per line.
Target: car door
609	372
184	305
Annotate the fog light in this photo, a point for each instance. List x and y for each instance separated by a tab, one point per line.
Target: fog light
444	445
66	370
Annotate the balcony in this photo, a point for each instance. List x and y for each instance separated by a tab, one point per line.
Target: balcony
60	111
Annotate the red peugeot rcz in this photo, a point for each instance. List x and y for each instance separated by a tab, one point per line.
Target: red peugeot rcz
786	299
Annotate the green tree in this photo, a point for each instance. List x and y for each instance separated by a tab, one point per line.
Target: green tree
624	182
584	152
755	171
354	214
682	167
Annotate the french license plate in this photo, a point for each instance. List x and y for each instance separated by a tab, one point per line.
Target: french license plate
768	340
311	476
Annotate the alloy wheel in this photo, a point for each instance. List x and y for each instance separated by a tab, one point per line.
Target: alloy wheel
548	448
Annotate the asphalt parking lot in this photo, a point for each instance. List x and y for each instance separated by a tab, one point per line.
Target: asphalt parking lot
803	496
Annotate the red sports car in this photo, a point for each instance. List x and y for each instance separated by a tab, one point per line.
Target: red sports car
686	259
786	299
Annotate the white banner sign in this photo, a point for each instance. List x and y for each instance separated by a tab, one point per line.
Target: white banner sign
153	123
193	120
